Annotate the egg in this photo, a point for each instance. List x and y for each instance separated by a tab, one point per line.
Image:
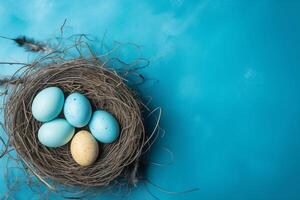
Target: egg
77	110
104	126
84	148
55	133
47	104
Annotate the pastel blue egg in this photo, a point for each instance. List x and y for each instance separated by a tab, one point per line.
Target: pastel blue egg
104	126
47	104
56	133
77	110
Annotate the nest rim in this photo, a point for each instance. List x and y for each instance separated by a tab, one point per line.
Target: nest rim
118	160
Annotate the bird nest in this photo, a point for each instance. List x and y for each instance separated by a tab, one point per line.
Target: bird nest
106	90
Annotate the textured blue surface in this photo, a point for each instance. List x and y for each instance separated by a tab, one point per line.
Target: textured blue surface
229	83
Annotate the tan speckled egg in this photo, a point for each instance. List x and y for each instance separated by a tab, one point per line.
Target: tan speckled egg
84	148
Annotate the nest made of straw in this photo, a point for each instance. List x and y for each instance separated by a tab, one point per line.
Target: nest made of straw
106	90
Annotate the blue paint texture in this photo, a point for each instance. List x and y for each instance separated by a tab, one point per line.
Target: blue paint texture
229	87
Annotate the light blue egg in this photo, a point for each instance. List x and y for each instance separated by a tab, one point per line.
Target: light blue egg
47	104
104	126
77	110
56	133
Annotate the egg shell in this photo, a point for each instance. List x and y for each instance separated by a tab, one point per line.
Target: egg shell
55	133
47	104
104	126
77	110
84	148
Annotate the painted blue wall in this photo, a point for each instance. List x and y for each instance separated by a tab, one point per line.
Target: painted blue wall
229	86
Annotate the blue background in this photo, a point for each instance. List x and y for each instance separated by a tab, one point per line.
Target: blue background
229	86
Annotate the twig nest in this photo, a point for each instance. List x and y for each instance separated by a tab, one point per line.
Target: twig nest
106	91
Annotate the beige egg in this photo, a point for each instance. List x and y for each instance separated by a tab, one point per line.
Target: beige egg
84	148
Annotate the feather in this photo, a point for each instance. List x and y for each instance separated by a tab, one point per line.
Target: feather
29	44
